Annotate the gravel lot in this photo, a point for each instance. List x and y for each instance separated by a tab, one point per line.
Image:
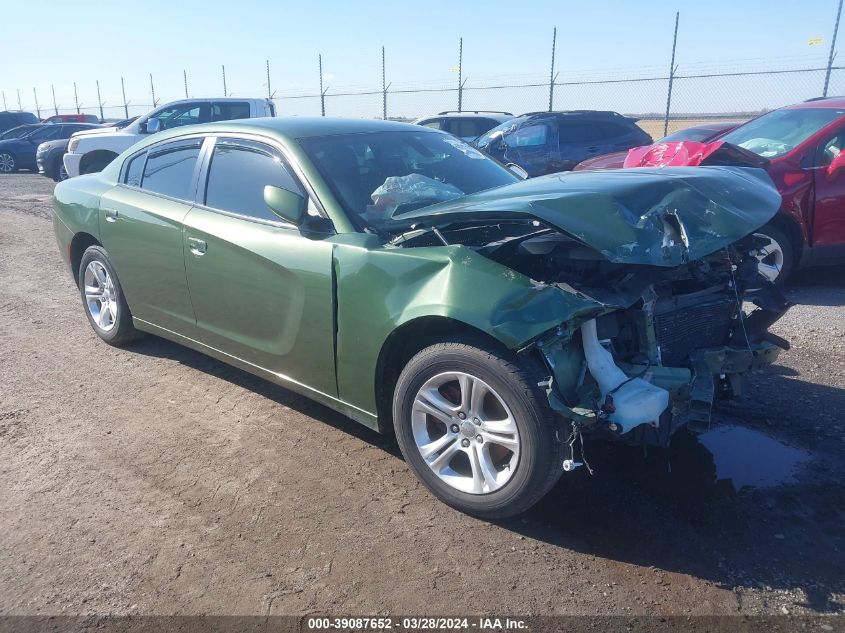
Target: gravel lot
155	480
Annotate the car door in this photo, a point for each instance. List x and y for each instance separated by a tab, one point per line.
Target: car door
141	228
828	226
262	292
531	146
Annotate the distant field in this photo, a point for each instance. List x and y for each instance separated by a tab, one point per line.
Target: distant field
654	127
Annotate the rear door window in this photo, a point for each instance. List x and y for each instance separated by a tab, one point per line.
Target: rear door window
169	169
435	124
528	136
238	173
227	111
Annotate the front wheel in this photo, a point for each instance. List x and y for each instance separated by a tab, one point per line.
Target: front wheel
102	296
476	430
775	256
8	165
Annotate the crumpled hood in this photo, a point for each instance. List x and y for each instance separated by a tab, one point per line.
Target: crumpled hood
662	217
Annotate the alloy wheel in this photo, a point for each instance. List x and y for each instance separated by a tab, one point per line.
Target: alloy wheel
100	296
465	432
770	257
7	163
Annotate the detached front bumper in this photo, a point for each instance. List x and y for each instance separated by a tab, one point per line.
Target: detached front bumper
713	373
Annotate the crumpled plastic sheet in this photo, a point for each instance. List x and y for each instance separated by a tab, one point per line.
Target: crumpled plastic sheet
399	190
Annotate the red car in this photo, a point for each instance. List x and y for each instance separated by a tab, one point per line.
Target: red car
72	118
703	133
802	145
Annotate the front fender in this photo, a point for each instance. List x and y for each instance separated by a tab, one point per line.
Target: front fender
380	290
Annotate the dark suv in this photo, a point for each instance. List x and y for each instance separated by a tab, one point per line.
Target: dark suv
8	119
548	142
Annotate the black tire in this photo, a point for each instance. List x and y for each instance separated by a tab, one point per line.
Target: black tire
540	450
121	330
784	242
8	163
96	166
59	173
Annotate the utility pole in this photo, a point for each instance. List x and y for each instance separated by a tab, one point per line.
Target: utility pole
832	49
671	76
55	105
383	86
37	107
322	92
100	101
225	93
552	76
185	81
460	70
125	103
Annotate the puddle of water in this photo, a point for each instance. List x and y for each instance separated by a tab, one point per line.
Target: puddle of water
750	458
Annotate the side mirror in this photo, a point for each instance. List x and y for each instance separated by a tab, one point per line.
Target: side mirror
519	171
286	204
153	125
836	165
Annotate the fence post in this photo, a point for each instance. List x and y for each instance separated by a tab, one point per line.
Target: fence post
832	49
552	75
225	93
75	97
671	76
100	101
185	81
383	87
322	92
153	90
20	105
460	71
5	107
269	91
37	107
55	106
125	102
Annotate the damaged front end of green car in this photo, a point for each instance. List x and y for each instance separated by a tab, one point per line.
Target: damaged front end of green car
666	308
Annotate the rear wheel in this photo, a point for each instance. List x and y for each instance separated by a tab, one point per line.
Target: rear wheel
476	430
776	256
102	296
8	164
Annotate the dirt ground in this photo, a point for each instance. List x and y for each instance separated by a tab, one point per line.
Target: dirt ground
155	480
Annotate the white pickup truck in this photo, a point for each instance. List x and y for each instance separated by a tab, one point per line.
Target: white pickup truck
90	153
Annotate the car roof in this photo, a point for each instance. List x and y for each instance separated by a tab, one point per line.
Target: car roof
300	127
583	115
819	102
473	114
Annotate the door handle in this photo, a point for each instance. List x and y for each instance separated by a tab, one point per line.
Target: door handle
197	246
111	215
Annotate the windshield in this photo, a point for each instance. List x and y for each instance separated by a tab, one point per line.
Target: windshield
779	132
377	173
17	132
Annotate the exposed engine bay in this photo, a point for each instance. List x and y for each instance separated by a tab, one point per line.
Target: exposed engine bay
667	341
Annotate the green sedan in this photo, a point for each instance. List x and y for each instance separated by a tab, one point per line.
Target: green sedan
396	274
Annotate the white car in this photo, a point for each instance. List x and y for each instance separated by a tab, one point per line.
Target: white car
88	153
466	124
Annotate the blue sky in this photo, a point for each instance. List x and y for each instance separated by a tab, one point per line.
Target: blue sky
502	39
